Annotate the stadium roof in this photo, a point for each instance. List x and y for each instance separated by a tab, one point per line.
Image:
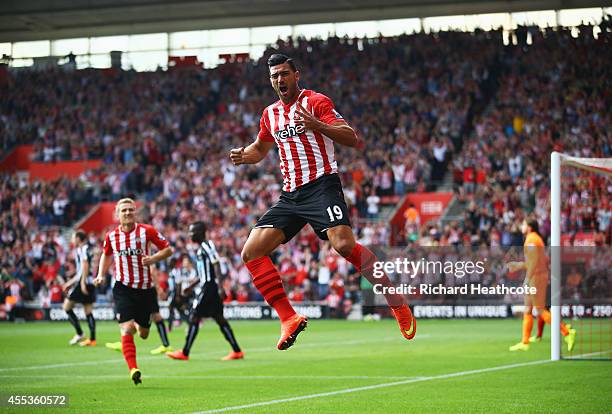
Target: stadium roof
44	19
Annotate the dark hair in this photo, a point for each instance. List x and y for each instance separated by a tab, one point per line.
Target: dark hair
279	58
80	234
200	225
533	223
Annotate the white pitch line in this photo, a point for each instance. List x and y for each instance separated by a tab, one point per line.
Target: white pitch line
373	387
582	356
147	357
66	364
231	377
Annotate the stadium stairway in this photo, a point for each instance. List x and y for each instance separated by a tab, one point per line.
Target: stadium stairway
454	211
447	181
387	211
490	86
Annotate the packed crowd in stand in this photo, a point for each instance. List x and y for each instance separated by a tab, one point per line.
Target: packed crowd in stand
421	102
553	95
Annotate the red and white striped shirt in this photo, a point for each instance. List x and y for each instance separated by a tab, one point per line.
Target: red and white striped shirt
304	155
129	249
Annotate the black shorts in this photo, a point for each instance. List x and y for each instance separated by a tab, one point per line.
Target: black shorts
155	308
175	299
208	303
77	295
136	304
179	301
319	203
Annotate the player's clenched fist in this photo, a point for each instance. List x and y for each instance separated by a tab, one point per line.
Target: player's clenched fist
236	155
98	280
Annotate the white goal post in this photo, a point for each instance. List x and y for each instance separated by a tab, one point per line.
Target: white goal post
595	165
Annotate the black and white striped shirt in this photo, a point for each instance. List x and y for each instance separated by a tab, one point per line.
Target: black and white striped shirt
84	254
179	276
206	259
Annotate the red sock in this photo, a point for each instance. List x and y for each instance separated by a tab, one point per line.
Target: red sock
268	282
363	259
129	350
541	323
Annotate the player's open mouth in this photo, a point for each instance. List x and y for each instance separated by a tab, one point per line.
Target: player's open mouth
283	89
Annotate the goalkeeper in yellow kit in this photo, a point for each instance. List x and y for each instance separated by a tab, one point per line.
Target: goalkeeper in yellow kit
536	267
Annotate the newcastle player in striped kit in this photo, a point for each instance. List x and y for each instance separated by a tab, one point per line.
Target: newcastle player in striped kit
178	293
305	125
81	290
207	302
134	292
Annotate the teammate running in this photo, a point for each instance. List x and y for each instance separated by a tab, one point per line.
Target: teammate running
304	125
134	294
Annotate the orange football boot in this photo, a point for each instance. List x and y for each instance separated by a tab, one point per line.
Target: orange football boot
233	355
178	355
290	329
405	320
87	342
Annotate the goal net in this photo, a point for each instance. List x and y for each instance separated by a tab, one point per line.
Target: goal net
581	256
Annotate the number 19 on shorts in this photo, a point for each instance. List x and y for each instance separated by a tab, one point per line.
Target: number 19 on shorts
334	212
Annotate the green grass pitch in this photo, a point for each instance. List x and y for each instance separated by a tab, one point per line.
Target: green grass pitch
334	367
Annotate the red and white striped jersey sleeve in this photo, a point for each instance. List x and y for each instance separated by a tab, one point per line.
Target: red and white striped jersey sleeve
155	237
324	110
264	131
107	248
